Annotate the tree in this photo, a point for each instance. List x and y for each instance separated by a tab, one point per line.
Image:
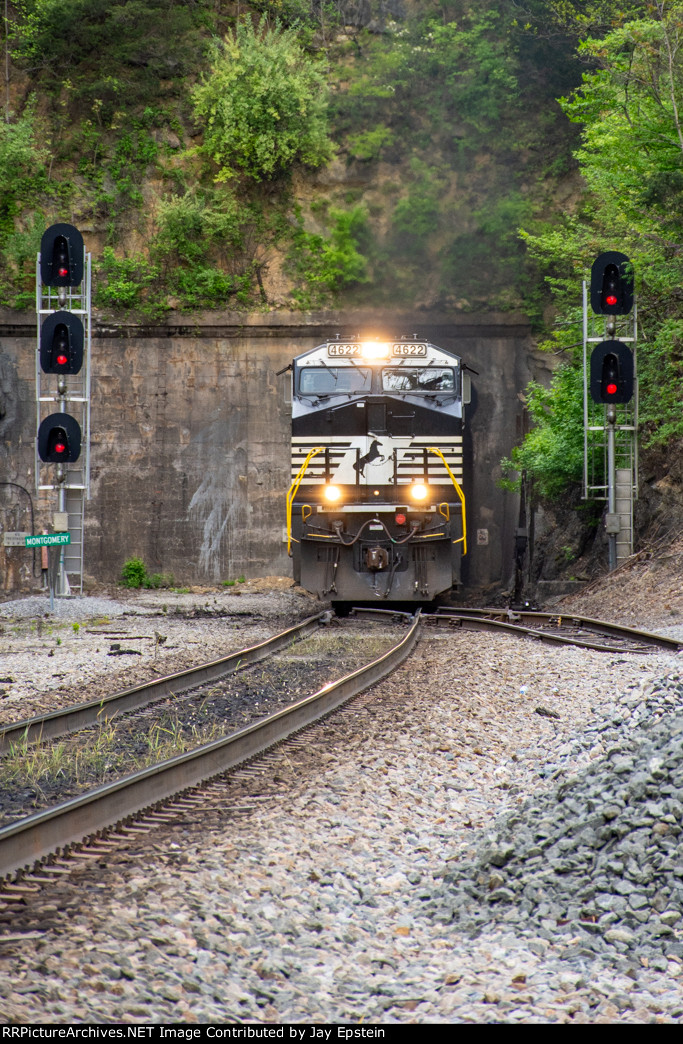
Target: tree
630	108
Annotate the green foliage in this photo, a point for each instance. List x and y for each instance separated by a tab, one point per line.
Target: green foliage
207	246
458	107
18	253
435	78
418	214
122	280
552	453
370	144
134	573
325	265
262	107
188	224
108	53
160	580
630	109
117	108
660	376
22	168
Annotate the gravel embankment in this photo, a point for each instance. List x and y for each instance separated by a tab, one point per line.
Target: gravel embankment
493	837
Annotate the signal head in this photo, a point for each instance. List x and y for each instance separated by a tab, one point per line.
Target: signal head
59	439
611	373
61	343
61	256
612	284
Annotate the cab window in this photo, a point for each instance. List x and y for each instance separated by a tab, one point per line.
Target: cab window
418	378
334	380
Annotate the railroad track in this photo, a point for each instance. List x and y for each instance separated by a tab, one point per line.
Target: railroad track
30	848
557	628
70	719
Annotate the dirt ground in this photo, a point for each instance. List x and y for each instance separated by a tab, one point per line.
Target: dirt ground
647	590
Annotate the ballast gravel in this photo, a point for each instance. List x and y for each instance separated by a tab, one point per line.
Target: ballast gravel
491	836
78	649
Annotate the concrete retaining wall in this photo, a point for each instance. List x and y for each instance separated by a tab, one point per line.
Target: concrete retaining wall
190	438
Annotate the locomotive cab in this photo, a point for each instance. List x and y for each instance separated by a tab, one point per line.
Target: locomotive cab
375	510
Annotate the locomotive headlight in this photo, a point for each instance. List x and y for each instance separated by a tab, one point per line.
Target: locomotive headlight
419	491
332	494
374	350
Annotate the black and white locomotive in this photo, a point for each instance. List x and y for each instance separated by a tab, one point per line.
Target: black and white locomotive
376	510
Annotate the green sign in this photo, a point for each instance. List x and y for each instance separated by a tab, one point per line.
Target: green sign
48	539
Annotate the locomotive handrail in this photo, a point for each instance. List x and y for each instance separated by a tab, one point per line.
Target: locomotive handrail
463	539
291	493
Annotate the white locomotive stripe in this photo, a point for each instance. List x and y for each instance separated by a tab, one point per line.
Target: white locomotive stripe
443	481
344	440
439	440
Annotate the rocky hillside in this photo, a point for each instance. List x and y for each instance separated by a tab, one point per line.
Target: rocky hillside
292	153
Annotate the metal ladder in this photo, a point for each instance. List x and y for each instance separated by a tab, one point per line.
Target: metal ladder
73	552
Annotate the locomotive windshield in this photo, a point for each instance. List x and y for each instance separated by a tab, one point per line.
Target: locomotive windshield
418	378
334	380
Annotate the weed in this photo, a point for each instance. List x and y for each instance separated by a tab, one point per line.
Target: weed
134	575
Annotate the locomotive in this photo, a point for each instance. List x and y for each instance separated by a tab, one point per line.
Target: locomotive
376	509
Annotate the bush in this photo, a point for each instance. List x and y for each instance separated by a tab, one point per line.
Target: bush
327	265
263	106
134	573
123	280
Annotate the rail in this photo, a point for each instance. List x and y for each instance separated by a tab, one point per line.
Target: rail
70	719
29	841
511	622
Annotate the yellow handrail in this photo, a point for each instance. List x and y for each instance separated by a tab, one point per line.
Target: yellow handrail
458	490
291	493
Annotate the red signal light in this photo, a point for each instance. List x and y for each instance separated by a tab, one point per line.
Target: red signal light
611	300
62	261
62	359
611	389
59	447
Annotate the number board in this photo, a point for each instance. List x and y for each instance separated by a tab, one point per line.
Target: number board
409	349
401	349
337	350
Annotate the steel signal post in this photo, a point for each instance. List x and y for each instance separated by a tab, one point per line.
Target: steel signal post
611	400
63	314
